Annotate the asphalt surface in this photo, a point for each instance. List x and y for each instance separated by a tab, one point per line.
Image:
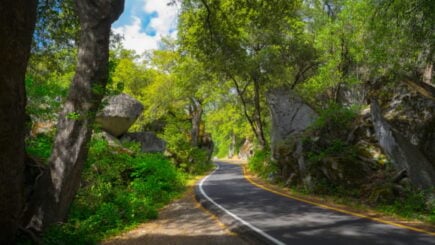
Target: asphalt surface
267	218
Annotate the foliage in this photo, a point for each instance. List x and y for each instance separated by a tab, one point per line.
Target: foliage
39	146
118	190
45	97
335	117
262	164
187	157
413	204
225	120
229	53
332	157
249	47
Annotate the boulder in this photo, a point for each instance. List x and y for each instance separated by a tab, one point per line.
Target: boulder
149	142
290	114
402	153
119	113
409	113
290	117
246	150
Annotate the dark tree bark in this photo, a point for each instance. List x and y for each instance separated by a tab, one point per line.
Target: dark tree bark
17	22
56	193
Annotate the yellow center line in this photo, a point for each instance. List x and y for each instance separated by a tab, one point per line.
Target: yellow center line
334	208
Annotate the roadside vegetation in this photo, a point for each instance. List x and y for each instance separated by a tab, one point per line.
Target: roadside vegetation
363	70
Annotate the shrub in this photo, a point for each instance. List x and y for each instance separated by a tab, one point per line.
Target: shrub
39	146
118	190
261	164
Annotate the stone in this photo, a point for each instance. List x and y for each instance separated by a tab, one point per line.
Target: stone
119	113
149	142
402	153
410	113
290	117
290	114
246	150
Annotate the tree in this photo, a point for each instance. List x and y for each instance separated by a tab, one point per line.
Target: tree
56	191
337	28
254	44
129	75
17	18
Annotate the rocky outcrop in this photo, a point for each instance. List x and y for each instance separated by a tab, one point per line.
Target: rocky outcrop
402	153
409	113
290	114
290	117
246	150
149	142
119	113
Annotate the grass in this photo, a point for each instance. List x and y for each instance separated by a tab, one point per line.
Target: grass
119	190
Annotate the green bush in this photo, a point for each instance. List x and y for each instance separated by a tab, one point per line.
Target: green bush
46	96
118	190
411	204
190	159
326	146
261	164
39	146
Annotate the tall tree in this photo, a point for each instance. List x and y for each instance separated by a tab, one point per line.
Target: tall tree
255	44
17	18
54	195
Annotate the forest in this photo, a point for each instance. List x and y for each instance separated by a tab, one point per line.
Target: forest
329	98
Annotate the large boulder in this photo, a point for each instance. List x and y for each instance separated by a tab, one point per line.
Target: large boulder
409	113
290	117
403	154
119	113
149	142
290	114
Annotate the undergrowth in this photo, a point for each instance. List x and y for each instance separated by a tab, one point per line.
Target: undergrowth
118	190
336	172
261	164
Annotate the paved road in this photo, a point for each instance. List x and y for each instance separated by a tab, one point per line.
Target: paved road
275	219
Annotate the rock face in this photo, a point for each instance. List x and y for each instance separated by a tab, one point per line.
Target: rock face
290	117
148	140
246	150
120	112
403	154
290	114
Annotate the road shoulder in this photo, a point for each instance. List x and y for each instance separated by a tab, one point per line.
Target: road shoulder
329	204
183	221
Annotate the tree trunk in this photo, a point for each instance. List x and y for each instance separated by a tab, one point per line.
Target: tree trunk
17	18
196	114
255	120
74	129
232	148
258	121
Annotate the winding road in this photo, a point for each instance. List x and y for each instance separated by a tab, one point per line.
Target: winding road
268	218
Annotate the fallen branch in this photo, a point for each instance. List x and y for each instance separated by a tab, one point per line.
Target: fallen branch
422	88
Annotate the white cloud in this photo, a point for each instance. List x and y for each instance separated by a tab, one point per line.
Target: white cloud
164	24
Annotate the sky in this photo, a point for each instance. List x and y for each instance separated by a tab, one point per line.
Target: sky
144	22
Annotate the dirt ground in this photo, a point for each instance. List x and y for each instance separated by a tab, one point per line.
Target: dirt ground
181	222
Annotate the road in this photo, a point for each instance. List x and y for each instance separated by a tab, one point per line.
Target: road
274	219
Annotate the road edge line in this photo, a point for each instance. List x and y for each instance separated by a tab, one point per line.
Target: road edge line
214	217
335	209
247	224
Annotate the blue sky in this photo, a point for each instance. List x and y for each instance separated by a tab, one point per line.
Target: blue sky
144	22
